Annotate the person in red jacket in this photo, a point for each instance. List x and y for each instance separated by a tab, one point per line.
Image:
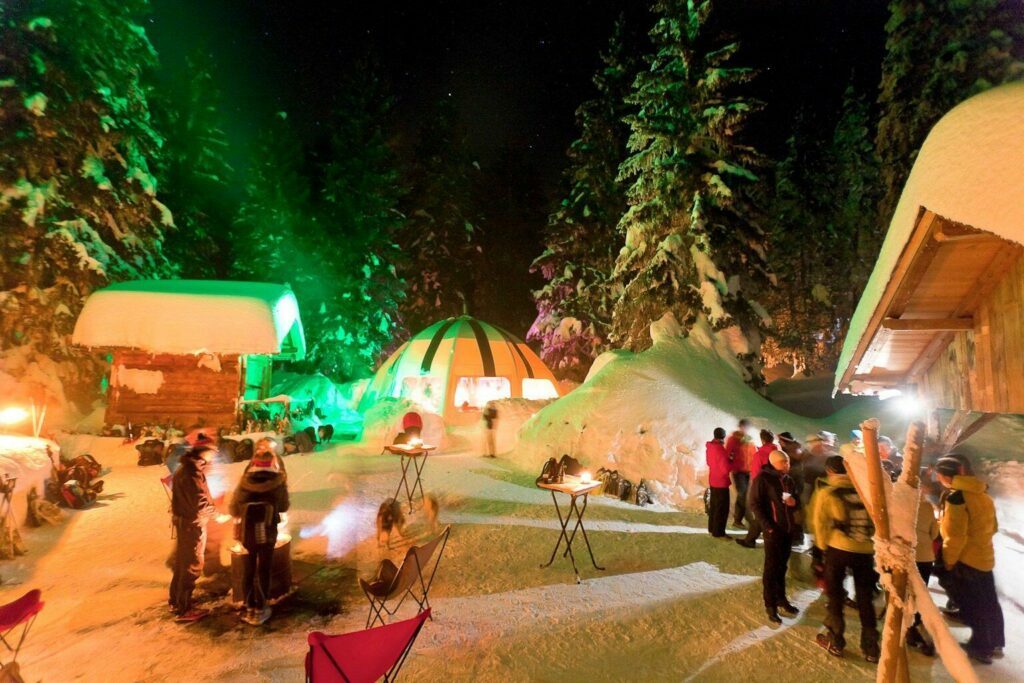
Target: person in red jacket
740	449
758	462
718	483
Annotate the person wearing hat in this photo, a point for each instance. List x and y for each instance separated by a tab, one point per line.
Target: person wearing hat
740	449
257	505
968	525
192	508
758	461
843	533
773	503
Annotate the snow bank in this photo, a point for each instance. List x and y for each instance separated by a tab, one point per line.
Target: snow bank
25	374
648	415
383	421
25	458
335	401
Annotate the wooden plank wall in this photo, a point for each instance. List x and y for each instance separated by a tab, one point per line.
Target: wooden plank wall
190	394
983	369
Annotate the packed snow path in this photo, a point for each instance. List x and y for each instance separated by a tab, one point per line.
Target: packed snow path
673	604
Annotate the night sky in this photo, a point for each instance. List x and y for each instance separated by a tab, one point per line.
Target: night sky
516	72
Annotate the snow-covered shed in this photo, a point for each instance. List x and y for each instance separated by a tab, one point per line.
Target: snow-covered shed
943	311
455	366
186	351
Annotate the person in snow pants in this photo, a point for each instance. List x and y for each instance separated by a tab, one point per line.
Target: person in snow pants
759	460
258	502
968	525
490	417
191	509
843	531
718	483
740	449
773	502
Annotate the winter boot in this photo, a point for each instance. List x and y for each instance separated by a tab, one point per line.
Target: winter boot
773	615
826	641
191	616
789	608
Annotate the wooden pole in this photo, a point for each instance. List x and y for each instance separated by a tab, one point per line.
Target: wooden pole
893	667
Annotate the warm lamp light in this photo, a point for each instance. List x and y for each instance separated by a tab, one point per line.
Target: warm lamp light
12	415
585	477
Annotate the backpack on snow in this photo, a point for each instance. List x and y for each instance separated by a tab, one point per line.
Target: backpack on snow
706	497
625	489
642	495
571	465
151	452
858	525
549	474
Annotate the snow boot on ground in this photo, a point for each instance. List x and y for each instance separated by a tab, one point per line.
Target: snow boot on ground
745	543
919	643
826	641
789	608
773	615
191	616
256	617
975	655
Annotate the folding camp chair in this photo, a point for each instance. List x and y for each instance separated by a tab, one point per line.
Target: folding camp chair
362	656
21	612
396	584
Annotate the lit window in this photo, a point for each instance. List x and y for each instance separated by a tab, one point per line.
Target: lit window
473	393
539	389
428	391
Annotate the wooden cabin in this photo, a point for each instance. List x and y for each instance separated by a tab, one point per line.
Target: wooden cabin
942	315
186	352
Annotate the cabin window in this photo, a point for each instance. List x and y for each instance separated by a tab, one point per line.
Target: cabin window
473	393
426	390
538	389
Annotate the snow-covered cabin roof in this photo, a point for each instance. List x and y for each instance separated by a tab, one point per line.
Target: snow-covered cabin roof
193	316
969	171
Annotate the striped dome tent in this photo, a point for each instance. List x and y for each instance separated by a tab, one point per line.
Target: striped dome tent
456	365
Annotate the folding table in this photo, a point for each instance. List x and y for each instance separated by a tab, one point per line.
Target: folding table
417	455
575	489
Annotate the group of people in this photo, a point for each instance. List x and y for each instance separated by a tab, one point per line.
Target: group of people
257	504
785	489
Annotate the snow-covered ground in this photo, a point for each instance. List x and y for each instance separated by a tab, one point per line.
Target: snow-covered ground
673	604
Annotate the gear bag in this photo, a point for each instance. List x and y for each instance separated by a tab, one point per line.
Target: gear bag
857	525
571	465
550	473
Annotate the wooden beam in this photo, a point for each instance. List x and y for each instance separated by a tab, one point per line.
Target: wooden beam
928	324
944	238
921	235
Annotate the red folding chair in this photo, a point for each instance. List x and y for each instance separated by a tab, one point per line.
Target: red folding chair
362	656
21	612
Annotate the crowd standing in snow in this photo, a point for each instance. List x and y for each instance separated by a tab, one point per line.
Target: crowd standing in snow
786	489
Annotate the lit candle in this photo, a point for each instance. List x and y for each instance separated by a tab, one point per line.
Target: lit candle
585	477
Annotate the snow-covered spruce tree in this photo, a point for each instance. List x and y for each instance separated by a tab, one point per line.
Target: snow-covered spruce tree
194	172
439	242
694	244
78	203
938	53
360	222
581	241
273	235
820	238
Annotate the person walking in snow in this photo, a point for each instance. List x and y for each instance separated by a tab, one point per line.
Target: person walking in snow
257	504
740	451
773	502
192	509
843	531
759	460
968	525
490	417
718	482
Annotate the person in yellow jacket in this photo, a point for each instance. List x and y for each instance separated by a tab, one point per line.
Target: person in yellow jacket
968	525
843	531
927	532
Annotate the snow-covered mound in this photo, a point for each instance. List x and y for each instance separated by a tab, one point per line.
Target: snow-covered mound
649	414
383	422
335	401
25	458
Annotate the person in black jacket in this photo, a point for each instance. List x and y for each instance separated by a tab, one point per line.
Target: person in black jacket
192	509
773	500
258	502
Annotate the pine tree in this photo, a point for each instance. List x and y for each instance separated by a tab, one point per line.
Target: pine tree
694	245
361	221
938	53
439	239
78	202
819	236
194	173
574	308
